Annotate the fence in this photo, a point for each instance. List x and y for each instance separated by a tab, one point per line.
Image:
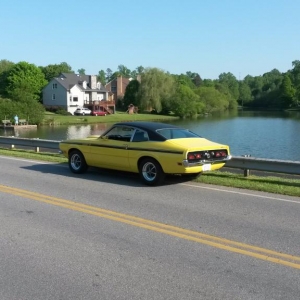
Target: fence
244	163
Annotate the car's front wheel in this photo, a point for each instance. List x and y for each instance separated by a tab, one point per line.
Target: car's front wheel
77	163
151	172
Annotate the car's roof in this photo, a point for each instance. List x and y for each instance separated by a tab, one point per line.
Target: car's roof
153	126
150	127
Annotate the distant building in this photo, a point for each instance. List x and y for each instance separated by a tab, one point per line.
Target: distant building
69	91
117	87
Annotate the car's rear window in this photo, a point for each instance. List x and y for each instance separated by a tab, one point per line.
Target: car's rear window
174	133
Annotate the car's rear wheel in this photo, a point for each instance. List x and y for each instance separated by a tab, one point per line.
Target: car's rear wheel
77	163
151	172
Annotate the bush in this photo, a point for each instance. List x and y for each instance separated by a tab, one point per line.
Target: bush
30	110
63	112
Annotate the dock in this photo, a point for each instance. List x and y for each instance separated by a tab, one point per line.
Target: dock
18	126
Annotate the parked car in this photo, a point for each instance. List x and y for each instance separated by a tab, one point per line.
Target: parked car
98	113
82	111
151	149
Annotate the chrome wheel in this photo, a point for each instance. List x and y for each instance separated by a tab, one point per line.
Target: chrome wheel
151	172
77	162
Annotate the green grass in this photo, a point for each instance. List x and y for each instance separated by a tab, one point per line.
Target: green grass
55	119
270	184
276	185
29	154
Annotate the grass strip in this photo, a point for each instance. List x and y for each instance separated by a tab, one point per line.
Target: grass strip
270	184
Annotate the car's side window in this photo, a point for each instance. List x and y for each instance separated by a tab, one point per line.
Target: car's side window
140	136
120	133
166	133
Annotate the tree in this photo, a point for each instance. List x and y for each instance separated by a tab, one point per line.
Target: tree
296	78
123	71
287	92
245	94
256	84
54	70
212	99
197	80
185	103
25	79
184	80
226	95
109	75
5	66
140	70
101	77
208	83
131	94
231	82
81	71
156	87
31	110
272	80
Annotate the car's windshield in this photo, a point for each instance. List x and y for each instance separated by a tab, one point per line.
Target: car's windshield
176	133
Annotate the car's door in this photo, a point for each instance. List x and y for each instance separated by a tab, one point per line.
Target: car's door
110	150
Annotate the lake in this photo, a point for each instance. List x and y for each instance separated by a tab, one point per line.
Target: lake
274	135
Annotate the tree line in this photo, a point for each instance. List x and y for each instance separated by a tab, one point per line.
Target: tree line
154	89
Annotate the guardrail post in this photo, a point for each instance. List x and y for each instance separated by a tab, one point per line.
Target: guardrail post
37	149
246	171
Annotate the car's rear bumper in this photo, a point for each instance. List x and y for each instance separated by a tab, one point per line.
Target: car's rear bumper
187	164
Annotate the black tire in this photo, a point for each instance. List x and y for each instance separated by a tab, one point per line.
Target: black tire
151	172
77	163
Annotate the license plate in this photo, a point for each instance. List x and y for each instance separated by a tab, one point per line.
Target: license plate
206	167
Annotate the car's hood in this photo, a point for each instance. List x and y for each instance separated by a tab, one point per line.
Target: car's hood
192	143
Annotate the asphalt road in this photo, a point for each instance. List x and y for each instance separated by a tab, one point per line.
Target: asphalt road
103	235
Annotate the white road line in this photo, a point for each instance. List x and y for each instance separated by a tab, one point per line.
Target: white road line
240	193
27	160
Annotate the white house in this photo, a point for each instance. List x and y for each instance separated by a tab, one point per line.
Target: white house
70	91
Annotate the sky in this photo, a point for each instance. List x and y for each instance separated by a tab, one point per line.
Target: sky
208	37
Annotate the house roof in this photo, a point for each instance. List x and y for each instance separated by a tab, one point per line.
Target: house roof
69	80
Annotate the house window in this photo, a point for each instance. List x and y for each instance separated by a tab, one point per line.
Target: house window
54	86
75	99
113	88
53	97
70	98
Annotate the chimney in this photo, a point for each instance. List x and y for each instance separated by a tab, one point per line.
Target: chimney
93	82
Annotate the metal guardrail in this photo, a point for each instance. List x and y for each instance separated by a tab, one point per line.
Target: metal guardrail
245	163
31	143
267	165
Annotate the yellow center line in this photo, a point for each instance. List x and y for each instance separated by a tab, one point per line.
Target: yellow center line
214	241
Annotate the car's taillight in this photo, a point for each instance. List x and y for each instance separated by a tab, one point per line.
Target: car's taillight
221	154
191	156
207	155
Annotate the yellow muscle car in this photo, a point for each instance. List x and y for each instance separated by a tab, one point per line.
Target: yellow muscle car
151	149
